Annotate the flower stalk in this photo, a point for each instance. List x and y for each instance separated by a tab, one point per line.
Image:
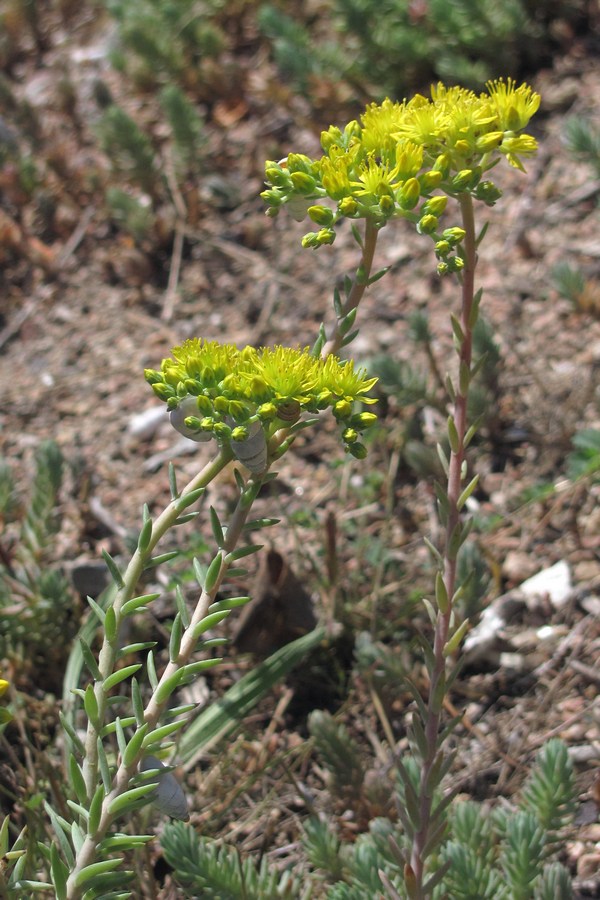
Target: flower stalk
456	474
161	694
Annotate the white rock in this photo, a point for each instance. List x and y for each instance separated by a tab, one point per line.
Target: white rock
554	583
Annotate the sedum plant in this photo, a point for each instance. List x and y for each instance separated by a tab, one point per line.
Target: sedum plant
428	162
503	853
251	404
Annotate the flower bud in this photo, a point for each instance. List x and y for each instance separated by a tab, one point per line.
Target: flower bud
152	376
192	386
163	391
238	411
303	183
310	241
359	451
462	180
488	192
221	404
488	142
410	193
387	205
427	224
320	215
298	162
429	180
363	420
348	206
204	404
442	249
184	420
331	138
442	165
453	235
435	205
277	176
239	434
342	409
266	412
325	236
272	198
222	431
349	435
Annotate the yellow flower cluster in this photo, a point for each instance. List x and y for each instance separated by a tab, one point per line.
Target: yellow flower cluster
218	390
391	163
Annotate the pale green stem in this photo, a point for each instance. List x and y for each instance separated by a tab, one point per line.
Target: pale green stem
359	286
454	486
154	709
131	577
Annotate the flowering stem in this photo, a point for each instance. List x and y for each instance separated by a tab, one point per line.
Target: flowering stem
361	282
155	706
455	479
108	653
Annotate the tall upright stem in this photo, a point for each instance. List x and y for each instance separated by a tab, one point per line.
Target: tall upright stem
359	286
455	479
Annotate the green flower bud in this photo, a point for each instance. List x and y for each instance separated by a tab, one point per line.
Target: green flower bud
442	268
331	138
387	205
435	206
462	180
204	404
342	409
222	431
410	193
303	183
310	241
221	405
238	411
442	249
323	399
359	451
488	142
427	225
163	391
239	434
488	192
363	420
298	162
348	206
320	215
193	423
272	198
429	180
152	376
277	176
442	165
453	235
267	412
207	423
349	435
325	236
192	387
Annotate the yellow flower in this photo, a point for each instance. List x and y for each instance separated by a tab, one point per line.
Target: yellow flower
4	685
513	106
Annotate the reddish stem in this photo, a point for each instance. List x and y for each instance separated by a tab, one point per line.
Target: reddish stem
454	486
